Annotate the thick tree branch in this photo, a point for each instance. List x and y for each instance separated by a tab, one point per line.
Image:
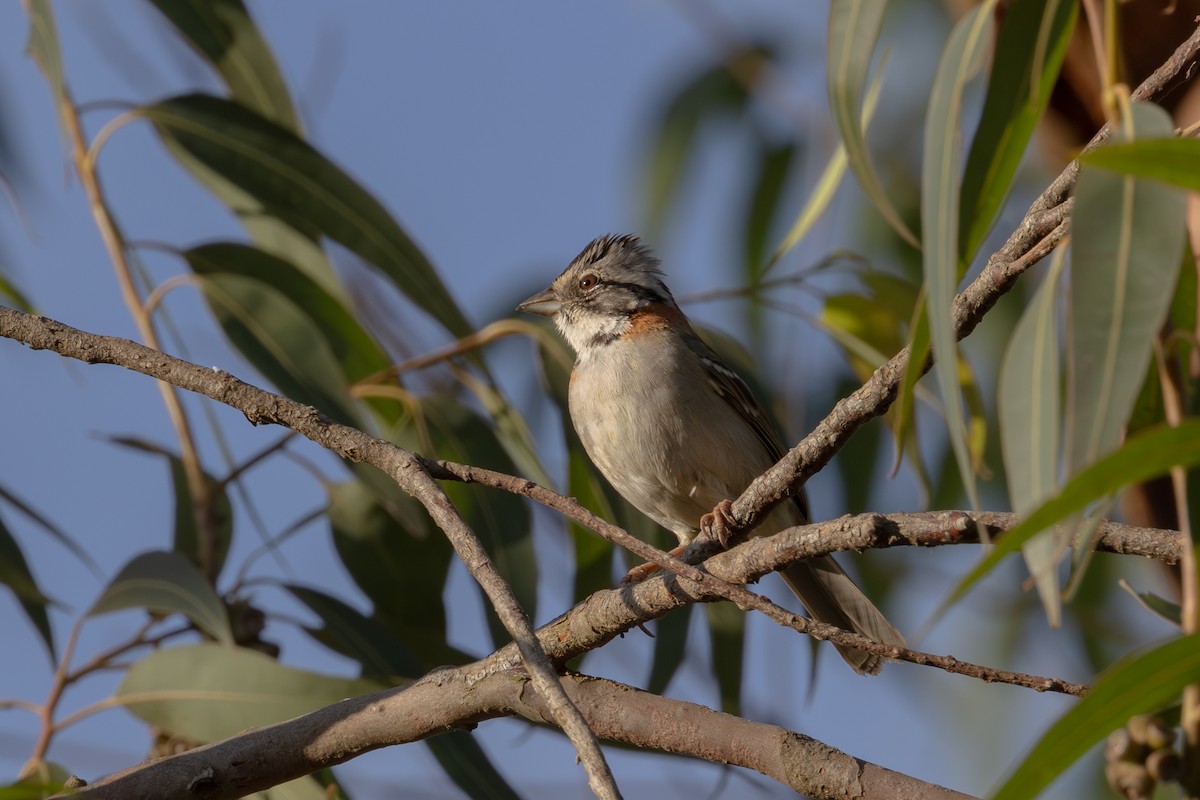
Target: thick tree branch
1042	228
460	697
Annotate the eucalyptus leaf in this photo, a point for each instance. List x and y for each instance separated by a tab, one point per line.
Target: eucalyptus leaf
207	692
166	583
16	575
1170	160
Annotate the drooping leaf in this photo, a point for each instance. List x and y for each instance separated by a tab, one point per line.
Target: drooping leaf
1127	242
294	182
399	560
827	184
207	692
14	297
166	583
57	533
16	575
961	59
1171	160
1146	455
714	92
466	763
223	32
43	46
727	633
670	648
1138	684
774	166
500	519
347	631
1030	48
1030	407
853	30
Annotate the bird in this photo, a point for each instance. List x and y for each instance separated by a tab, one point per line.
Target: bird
674	430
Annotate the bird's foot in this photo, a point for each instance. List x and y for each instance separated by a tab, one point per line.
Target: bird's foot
643	571
719	523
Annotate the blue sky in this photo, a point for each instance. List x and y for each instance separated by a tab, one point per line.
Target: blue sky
504	137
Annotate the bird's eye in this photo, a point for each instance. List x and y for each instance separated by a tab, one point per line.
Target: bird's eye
588	281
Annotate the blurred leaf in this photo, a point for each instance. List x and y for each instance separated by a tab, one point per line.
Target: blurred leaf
1126	245
399	561
853	30
281	342
714	92
1156	605
301	337
1149	453
43	778
296	183
383	657
43	46
166	583
1030	48
187	540
1029	407
670	648
208	692
827	185
1135	685
904	418
593	553
305	788
500	519
961	59
223	32
57	533
466	763
727	630
511	431
14	298
1171	160
774	166
16	575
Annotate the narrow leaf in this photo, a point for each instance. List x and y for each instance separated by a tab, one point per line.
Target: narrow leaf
16	575
1029	53
1029	408
939	216
43	46
211	691
1136	685
223	32
1127	243
467	764
853	30
166	583
1173	161
296	183
1148	454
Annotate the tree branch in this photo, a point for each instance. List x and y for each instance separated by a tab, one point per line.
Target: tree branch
458	698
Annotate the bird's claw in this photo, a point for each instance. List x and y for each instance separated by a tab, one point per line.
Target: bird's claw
719	523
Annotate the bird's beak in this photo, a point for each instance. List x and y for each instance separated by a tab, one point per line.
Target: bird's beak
544	303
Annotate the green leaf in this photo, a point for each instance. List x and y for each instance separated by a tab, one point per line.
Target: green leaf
853	30
670	648
208	692
1126	246
714	92
1029	54
960	60
346	631
43	46
187	540
500	519
827	184
727	632
282	342
389	544
1171	160
1029	406
16	575
58	534
1159	606
1146	455
296	183
466	763
166	583
223	32
14	297
1135	685
774	166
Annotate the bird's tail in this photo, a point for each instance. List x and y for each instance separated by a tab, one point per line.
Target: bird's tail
831	597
